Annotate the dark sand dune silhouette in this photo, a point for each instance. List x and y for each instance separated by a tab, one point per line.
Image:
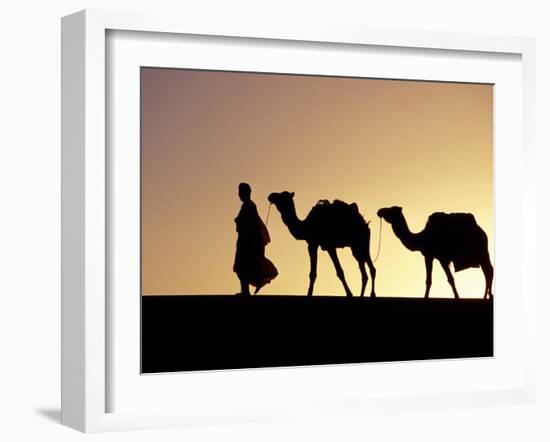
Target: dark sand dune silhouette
222	332
447	237
329	226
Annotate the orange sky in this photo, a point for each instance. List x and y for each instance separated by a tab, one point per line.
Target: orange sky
425	146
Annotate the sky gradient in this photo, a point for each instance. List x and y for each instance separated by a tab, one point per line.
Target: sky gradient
425	146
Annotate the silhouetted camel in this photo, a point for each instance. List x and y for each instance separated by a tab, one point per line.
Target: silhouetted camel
329	226
447	237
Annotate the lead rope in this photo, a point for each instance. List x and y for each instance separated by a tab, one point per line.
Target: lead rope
267	217
379	240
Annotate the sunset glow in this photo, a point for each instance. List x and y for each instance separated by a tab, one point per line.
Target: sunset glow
424	146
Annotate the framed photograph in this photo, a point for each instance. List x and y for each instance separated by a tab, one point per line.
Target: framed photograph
262	222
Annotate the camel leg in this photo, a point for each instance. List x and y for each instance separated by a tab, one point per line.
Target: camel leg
487	269
450	278
312	249
428	261
364	276
372	270
339	271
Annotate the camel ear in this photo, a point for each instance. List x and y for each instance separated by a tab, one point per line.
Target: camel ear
292	194
399	208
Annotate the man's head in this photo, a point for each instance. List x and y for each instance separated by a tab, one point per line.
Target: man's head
245	191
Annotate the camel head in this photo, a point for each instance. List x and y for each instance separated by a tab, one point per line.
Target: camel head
282	200
390	214
284	203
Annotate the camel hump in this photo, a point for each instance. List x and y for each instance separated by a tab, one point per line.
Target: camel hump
452	225
457	220
337	203
345	206
461	236
337	209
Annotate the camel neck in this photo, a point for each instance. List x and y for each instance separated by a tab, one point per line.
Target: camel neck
411	241
294	224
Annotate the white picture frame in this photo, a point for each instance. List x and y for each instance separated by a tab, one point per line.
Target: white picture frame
86	352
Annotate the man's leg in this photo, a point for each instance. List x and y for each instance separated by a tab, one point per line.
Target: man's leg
244	286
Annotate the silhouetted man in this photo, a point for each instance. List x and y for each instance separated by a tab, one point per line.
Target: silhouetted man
251	266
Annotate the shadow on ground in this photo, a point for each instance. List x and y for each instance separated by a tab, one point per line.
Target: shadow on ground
51	414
